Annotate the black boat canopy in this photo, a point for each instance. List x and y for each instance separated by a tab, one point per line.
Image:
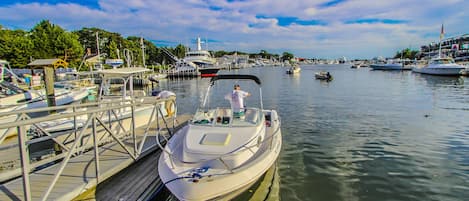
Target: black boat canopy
235	77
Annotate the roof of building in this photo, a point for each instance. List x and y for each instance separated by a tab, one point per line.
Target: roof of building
48	62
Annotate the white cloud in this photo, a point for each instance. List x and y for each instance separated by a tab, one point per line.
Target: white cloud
235	24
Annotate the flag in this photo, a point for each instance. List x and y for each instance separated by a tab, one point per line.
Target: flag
442	33
455	47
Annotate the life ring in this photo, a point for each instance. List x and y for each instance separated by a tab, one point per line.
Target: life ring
170	107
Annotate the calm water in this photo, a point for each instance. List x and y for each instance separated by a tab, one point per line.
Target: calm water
366	135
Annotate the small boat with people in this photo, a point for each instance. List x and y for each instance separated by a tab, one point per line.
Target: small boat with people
441	66
323	75
294	69
223	150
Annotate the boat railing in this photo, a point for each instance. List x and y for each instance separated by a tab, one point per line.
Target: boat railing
92	125
245	146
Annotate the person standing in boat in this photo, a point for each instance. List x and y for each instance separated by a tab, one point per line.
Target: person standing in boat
236	98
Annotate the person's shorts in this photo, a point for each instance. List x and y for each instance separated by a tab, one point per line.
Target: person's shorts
238	114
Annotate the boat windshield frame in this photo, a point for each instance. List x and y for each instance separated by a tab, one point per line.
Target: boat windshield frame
232	77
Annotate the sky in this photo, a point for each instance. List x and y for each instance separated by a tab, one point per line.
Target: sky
307	28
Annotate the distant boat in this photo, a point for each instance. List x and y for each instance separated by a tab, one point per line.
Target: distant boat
203	60
294	69
391	65
441	66
323	75
357	65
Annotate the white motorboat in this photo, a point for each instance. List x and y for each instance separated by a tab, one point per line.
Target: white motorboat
391	65
323	75
105	97
23	101
218	154
355	65
441	66
294	69
200	59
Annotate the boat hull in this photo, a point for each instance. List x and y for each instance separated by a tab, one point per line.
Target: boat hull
440	71
389	67
208	72
64	99
198	181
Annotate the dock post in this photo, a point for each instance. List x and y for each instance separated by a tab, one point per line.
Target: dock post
24	153
49	82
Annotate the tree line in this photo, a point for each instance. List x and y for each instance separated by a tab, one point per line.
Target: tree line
46	40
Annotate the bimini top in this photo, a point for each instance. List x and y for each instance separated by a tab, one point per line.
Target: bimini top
235	77
122	71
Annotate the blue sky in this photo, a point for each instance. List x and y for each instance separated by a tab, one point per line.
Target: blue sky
306	28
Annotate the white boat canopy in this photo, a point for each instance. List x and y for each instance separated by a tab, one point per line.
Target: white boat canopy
122	72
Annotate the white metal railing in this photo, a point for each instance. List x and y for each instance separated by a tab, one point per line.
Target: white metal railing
100	123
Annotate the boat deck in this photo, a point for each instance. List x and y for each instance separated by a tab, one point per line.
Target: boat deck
80	175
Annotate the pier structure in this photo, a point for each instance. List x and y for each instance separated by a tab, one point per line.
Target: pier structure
90	143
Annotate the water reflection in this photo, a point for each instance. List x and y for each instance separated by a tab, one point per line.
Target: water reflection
438	81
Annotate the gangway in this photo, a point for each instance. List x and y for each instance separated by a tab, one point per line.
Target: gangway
96	141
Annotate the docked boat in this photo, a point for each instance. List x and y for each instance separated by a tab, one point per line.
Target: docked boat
34	99
106	97
391	65
441	66
220	154
203	60
294	69
323	75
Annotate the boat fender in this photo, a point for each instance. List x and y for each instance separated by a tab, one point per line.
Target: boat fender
259	141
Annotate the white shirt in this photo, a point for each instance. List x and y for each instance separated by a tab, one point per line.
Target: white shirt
236	99
165	94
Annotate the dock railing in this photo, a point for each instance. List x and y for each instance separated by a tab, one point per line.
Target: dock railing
79	129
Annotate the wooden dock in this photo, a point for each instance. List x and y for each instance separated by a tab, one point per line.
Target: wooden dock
79	175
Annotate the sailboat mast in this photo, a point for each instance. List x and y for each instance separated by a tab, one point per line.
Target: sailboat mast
97	48
442	34
143	51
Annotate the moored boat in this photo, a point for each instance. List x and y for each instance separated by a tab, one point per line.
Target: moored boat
219	154
392	65
441	66
203	60
323	75
294	69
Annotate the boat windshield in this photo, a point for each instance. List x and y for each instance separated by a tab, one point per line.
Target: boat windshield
442	61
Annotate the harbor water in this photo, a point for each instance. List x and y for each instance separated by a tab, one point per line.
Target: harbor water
365	135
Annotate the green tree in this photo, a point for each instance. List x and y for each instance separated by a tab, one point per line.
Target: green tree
15	47
406	54
51	41
180	51
287	56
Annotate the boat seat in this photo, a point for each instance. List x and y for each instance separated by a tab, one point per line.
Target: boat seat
251	116
203	117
